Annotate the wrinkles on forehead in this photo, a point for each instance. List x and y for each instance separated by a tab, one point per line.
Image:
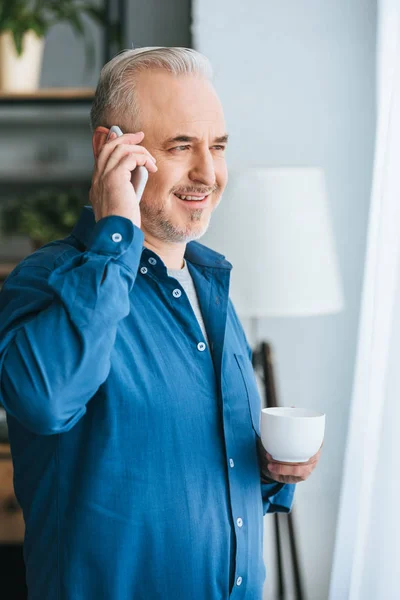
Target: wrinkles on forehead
171	105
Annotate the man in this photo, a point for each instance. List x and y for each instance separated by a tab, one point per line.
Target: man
132	406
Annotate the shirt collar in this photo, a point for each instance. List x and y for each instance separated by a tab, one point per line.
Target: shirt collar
195	252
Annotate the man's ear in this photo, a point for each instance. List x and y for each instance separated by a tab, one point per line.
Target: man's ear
99	139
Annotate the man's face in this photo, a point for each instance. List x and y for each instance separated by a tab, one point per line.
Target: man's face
172	107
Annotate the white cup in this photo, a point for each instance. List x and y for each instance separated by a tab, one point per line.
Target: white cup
292	434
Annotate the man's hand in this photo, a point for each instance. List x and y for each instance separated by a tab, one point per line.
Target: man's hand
286	472
112	192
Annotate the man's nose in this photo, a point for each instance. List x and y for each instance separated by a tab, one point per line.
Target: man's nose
202	169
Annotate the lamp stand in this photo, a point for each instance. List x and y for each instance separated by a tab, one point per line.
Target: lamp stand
263	361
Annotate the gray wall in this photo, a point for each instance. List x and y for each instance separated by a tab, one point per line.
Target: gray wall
297	83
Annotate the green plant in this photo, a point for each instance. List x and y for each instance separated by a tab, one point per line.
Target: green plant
44	215
20	16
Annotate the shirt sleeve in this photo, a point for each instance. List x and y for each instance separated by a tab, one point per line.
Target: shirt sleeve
58	325
277	497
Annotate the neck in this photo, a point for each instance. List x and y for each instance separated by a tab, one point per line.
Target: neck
170	253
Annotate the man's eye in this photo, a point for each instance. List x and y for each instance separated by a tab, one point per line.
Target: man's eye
184	147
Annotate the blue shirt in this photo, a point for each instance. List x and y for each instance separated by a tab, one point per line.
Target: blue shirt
133	442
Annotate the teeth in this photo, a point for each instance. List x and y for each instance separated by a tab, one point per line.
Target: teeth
190	197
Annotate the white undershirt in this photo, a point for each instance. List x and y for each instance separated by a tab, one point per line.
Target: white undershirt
185	279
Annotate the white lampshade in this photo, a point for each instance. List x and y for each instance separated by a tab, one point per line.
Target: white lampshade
273	225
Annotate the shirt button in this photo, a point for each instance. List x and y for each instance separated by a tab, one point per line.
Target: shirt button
116	237
152	261
177	293
239	522
239	581
231	462
143	270
201	346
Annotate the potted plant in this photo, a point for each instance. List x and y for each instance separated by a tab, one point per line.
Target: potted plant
44	215
23	26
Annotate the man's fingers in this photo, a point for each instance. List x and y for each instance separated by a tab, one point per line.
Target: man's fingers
123	151
129	138
299	472
109	147
287	479
280	469
130	162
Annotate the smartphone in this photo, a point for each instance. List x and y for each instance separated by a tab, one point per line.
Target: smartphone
140	175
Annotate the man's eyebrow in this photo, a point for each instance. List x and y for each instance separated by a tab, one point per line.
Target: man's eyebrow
222	139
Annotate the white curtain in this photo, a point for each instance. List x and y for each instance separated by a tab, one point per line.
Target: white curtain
366	562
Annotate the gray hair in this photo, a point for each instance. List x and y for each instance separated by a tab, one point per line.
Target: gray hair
115	94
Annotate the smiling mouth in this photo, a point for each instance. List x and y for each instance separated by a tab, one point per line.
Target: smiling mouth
194	202
191	198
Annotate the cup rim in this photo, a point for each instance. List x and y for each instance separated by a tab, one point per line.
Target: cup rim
314	414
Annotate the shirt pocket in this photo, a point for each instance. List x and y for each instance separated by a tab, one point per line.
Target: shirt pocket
250	384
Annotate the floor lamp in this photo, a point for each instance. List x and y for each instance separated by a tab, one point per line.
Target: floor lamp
273	225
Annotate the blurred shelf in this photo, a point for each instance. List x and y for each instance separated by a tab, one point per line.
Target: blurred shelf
16	116
71	176
49	96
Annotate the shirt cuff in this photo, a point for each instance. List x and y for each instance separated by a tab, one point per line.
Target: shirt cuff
117	237
277	497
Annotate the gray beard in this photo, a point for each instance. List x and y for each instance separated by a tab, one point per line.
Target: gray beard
161	227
